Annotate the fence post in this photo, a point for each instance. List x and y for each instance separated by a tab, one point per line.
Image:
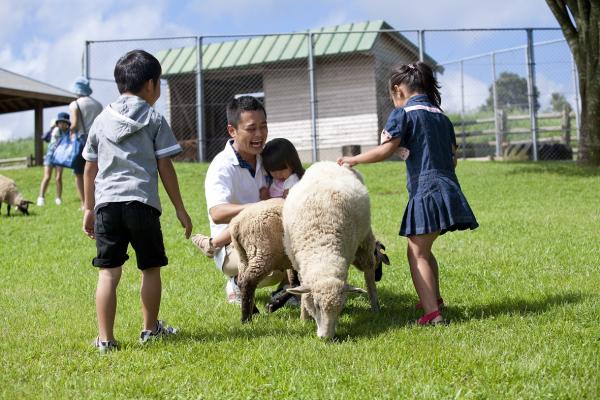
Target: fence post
313	101
531	93
497	113
200	101
566	125
501	126
462	112
421	45
86	61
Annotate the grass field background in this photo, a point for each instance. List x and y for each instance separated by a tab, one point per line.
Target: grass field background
523	296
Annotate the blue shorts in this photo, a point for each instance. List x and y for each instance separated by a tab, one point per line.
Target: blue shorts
118	224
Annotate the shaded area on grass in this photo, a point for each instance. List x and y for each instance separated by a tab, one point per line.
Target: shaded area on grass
564	168
521	307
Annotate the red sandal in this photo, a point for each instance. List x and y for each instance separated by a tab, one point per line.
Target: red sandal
428	319
440	303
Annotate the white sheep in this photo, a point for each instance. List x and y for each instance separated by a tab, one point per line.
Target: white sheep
257	234
327	225
10	195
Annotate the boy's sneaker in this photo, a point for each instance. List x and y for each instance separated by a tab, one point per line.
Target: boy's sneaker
40	201
160	331
58	201
204	244
234	296
105	346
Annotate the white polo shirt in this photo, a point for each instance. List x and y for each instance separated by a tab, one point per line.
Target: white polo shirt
228	183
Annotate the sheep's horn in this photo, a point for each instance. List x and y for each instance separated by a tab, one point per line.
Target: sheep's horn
354	289
298	290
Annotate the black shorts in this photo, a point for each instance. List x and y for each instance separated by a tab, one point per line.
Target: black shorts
118	224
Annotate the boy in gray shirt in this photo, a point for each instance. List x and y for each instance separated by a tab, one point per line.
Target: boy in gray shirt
128	147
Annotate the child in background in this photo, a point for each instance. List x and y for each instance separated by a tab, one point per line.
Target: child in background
60	127
129	146
436	203
280	159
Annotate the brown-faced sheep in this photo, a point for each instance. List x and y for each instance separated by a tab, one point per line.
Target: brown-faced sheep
10	195
327	224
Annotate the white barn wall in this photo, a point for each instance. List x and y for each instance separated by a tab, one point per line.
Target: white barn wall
347	106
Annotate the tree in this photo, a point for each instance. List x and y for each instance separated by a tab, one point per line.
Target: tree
559	102
511	92
580	23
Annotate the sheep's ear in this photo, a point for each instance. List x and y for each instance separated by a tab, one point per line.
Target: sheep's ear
298	290
354	289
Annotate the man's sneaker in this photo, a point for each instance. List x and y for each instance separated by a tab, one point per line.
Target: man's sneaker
105	346
58	201
204	244
291	302
234	296
40	201
160	331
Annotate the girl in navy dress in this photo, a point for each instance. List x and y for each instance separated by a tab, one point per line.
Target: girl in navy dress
436	203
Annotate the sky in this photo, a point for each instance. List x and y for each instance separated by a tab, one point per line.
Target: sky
44	39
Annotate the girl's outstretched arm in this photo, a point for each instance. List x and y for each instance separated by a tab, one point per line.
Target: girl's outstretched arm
376	154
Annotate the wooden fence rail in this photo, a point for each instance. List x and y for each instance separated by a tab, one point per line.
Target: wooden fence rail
501	132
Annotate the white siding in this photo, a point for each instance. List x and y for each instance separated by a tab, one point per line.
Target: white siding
347	106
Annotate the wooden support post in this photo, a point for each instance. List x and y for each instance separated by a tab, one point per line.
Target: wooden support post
38	145
566	125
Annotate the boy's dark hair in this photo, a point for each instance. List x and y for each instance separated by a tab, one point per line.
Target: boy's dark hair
417	77
241	104
280	154
136	68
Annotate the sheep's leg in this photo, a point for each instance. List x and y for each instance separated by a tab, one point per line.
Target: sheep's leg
364	260
247	287
372	289
293	277
8	209
304	314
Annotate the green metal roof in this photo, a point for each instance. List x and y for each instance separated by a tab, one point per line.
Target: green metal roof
276	48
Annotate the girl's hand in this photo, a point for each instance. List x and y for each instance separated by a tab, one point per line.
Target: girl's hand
264	193
347	160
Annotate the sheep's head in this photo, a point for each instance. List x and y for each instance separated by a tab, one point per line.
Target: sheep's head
324	301
23	206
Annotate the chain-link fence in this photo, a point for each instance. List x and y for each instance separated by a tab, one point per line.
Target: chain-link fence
509	93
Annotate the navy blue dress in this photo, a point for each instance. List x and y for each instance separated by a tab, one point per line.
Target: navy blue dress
436	202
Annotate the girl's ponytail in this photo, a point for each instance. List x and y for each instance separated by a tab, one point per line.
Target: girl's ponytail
418	77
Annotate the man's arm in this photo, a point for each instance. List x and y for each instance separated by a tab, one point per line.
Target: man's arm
169	181
89	187
224	213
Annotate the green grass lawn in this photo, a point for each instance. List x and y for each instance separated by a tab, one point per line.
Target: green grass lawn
17	148
522	293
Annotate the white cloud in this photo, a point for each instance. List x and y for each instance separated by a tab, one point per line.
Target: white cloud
57	59
475	92
458	13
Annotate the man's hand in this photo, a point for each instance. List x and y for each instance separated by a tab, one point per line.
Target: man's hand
185	220
88	223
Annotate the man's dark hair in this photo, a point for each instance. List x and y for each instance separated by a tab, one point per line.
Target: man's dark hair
241	104
136	68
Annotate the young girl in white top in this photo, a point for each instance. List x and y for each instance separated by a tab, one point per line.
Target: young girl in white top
280	159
